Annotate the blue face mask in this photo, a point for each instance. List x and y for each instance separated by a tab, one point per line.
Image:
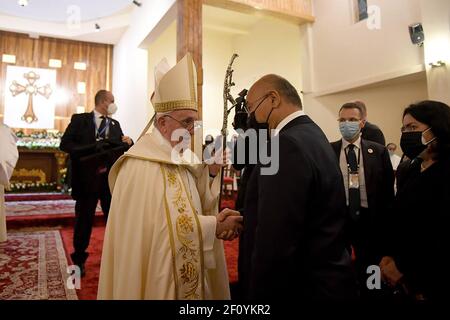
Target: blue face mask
349	129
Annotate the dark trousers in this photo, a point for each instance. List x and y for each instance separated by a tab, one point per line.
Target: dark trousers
85	208
362	237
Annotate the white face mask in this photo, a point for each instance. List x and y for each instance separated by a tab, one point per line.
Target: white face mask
112	108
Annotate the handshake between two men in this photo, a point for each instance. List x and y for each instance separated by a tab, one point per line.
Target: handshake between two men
229	224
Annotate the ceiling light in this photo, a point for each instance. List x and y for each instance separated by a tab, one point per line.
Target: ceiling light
97	27
22	3
137	3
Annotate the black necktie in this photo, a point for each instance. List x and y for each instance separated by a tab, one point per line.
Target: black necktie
354	196
102	129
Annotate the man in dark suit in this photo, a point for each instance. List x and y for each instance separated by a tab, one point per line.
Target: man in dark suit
370	131
368	179
94	141
295	214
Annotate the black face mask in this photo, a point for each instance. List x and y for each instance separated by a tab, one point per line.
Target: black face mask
252	123
411	143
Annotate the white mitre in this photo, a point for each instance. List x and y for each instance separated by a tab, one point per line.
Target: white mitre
176	88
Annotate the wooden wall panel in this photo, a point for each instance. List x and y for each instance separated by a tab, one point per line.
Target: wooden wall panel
32	52
190	39
295	11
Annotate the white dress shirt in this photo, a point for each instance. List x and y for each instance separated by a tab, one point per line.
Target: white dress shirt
98	122
288	119
344	168
395	160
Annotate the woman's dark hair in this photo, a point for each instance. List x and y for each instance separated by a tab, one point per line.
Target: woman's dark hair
436	115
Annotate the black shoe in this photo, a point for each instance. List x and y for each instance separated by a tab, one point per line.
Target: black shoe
79	264
82	269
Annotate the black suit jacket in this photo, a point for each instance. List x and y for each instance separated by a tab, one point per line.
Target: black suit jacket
371	132
298	216
379	180
87	155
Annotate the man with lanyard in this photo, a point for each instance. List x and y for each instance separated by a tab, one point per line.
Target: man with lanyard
369	186
94	141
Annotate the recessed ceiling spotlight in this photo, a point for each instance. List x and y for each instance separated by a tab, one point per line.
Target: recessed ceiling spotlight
22	3
137	3
97	27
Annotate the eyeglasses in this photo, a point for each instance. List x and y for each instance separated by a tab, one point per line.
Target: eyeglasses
188	123
340	120
247	108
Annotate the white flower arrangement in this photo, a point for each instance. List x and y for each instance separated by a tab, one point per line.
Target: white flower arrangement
39	140
38	186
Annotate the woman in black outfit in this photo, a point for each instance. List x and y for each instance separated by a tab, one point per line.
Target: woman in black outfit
417	248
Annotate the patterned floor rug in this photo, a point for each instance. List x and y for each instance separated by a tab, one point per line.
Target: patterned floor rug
33	266
35	208
36	196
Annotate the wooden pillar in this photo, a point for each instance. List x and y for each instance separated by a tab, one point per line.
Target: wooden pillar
189	39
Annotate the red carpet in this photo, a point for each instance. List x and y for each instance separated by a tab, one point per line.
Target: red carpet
55	213
33	266
90	282
36	196
42	213
40	207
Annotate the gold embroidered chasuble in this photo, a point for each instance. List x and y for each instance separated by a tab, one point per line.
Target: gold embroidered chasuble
160	238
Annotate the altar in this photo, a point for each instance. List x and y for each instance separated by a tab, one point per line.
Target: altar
40	168
41	165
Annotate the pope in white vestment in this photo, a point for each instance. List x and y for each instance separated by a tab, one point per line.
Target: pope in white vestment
160	240
8	160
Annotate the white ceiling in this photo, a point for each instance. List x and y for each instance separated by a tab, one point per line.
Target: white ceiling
62	10
56	18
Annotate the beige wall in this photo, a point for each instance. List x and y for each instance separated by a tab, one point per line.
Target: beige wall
165	46
130	67
271	46
217	51
344	61
436	24
346	52
385	105
267	46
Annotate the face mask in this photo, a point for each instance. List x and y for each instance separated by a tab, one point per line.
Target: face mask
349	129
391	153
411	144
252	123
112	108
423	138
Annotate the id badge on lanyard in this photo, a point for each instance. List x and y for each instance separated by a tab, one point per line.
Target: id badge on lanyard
353	175
353	180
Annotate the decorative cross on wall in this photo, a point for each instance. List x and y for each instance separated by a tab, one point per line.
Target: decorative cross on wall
31	89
